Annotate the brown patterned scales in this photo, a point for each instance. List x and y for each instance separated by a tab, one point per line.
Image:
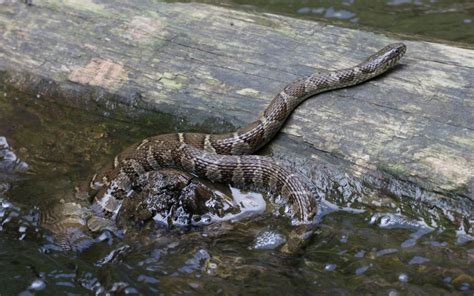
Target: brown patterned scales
224	157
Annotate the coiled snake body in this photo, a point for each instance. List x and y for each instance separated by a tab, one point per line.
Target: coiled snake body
224	157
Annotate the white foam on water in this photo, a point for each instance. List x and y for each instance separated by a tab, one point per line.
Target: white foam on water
268	240
250	203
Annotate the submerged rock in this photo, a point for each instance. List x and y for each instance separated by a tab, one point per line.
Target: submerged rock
172	197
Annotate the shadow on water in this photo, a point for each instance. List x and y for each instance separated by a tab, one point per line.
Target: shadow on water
393	247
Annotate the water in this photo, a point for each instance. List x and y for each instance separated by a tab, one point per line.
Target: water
389	250
451	20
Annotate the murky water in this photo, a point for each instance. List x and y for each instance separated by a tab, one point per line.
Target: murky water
385	250
439	19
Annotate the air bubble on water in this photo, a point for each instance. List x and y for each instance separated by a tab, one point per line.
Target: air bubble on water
343	239
38	285
212	265
403	278
418	260
384	252
362	269
330	267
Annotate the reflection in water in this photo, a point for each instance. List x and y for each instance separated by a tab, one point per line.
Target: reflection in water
357	248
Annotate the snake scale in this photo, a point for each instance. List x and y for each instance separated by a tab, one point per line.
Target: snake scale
224	157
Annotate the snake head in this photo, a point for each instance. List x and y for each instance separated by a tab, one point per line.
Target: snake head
393	52
386	57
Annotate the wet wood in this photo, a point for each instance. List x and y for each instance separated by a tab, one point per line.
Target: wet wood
413	125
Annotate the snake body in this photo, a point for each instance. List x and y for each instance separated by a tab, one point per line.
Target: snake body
224	157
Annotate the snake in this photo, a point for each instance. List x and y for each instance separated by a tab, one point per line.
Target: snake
227	157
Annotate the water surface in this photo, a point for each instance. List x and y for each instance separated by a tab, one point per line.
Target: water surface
451	20
391	251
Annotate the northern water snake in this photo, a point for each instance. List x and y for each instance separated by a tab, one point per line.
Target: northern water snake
224	157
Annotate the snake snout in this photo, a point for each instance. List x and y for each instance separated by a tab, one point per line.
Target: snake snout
392	53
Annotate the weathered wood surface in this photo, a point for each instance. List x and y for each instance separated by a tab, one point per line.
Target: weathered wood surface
414	124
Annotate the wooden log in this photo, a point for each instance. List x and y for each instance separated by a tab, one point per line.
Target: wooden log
413	125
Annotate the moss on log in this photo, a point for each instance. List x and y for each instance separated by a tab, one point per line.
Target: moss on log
414	125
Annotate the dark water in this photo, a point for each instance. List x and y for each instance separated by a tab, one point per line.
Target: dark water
382	251
451	20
